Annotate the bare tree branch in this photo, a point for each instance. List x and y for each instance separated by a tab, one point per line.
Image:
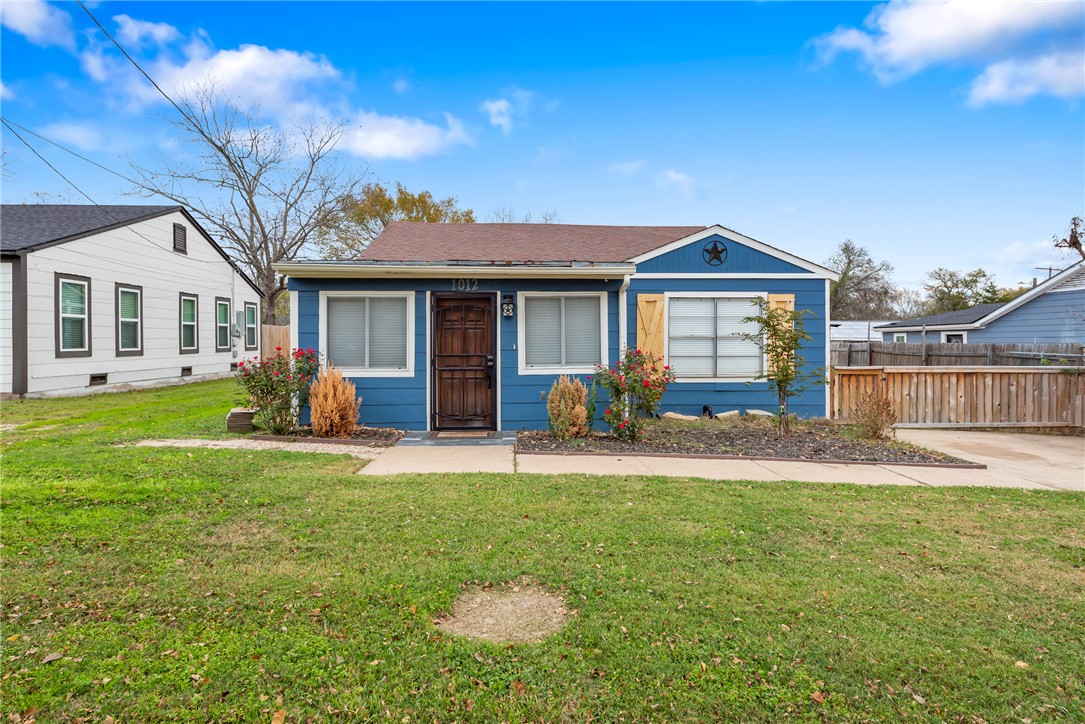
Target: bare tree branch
263	190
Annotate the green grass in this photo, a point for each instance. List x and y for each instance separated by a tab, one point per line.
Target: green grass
230	585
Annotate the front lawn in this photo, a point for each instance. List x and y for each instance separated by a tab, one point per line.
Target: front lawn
219	585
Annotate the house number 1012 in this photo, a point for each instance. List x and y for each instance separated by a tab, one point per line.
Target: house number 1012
465	285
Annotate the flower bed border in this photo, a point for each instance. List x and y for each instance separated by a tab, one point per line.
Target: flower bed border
517	450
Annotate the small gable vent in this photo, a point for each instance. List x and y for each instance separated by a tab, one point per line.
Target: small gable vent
96	380
180	238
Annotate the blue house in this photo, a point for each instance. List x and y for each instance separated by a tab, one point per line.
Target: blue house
1049	313
450	326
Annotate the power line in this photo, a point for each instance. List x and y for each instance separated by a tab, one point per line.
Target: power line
85	195
9	123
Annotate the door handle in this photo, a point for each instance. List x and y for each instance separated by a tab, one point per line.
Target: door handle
489	371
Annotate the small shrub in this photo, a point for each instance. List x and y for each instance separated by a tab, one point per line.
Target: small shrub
875	416
565	406
635	387
278	386
333	403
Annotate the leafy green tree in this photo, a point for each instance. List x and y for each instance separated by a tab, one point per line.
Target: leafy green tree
949	290
780	335
367	213
865	288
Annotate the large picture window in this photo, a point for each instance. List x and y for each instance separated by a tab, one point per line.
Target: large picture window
72	316
562	332
189	323
369	334
129	325
222	324
705	338
252	328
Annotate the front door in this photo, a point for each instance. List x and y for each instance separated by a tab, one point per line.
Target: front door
464	362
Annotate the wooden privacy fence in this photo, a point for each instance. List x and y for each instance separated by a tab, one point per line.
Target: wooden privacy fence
966	396
272	336
938	354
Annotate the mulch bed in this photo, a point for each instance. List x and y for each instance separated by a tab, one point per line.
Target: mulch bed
743	438
371	436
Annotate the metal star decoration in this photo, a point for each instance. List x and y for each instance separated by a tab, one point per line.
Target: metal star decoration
714	253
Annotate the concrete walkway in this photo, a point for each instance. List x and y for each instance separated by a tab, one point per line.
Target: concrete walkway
1014	461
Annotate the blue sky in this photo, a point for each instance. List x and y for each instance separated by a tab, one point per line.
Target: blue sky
937	134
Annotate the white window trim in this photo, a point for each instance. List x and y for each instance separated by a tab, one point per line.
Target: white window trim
255	326
900	337
85	317
668	296
521	335
138	319
962	332
364	371
195	323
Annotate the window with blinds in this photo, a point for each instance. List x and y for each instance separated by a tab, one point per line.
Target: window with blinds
222	325
705	337
367	333
562	331
251	329
189	320
129	320
73	317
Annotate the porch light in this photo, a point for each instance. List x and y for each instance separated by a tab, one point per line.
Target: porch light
508	307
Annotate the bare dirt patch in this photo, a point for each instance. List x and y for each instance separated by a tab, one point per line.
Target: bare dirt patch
517	615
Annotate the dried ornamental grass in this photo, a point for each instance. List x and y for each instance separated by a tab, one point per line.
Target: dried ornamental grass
334	405
566	408
875	416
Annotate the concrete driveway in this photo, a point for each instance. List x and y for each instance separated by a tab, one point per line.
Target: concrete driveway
1012	458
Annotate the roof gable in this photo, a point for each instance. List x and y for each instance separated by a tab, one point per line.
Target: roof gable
413	241
1070	278
25	227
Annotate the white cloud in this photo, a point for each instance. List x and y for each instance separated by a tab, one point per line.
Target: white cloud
1013	81
401	85
396	137
903	38
6	93
678	180
515	105
80	135
627	168
500	112
39	22
138	32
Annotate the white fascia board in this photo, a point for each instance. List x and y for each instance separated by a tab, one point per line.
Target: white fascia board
1032	293
933	328
301	270
717	230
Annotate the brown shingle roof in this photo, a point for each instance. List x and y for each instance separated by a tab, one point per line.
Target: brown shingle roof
417	241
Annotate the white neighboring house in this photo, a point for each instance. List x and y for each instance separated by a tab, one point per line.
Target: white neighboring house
96	298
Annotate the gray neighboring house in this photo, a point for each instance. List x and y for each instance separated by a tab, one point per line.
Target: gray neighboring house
96	298
1050	313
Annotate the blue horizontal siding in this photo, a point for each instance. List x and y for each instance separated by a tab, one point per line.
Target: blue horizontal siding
689	398
741	259
1052	318
401	401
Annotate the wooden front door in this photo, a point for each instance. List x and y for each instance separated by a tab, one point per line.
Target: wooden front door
464	362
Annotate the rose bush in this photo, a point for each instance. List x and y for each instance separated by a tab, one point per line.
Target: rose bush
278	387
635	386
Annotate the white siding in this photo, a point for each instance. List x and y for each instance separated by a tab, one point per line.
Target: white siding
143	259
5	326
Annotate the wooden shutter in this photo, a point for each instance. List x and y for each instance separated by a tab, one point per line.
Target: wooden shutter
650	309
779	301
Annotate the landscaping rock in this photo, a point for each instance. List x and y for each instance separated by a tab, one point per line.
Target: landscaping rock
239	419
678	416
759	413
726	415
